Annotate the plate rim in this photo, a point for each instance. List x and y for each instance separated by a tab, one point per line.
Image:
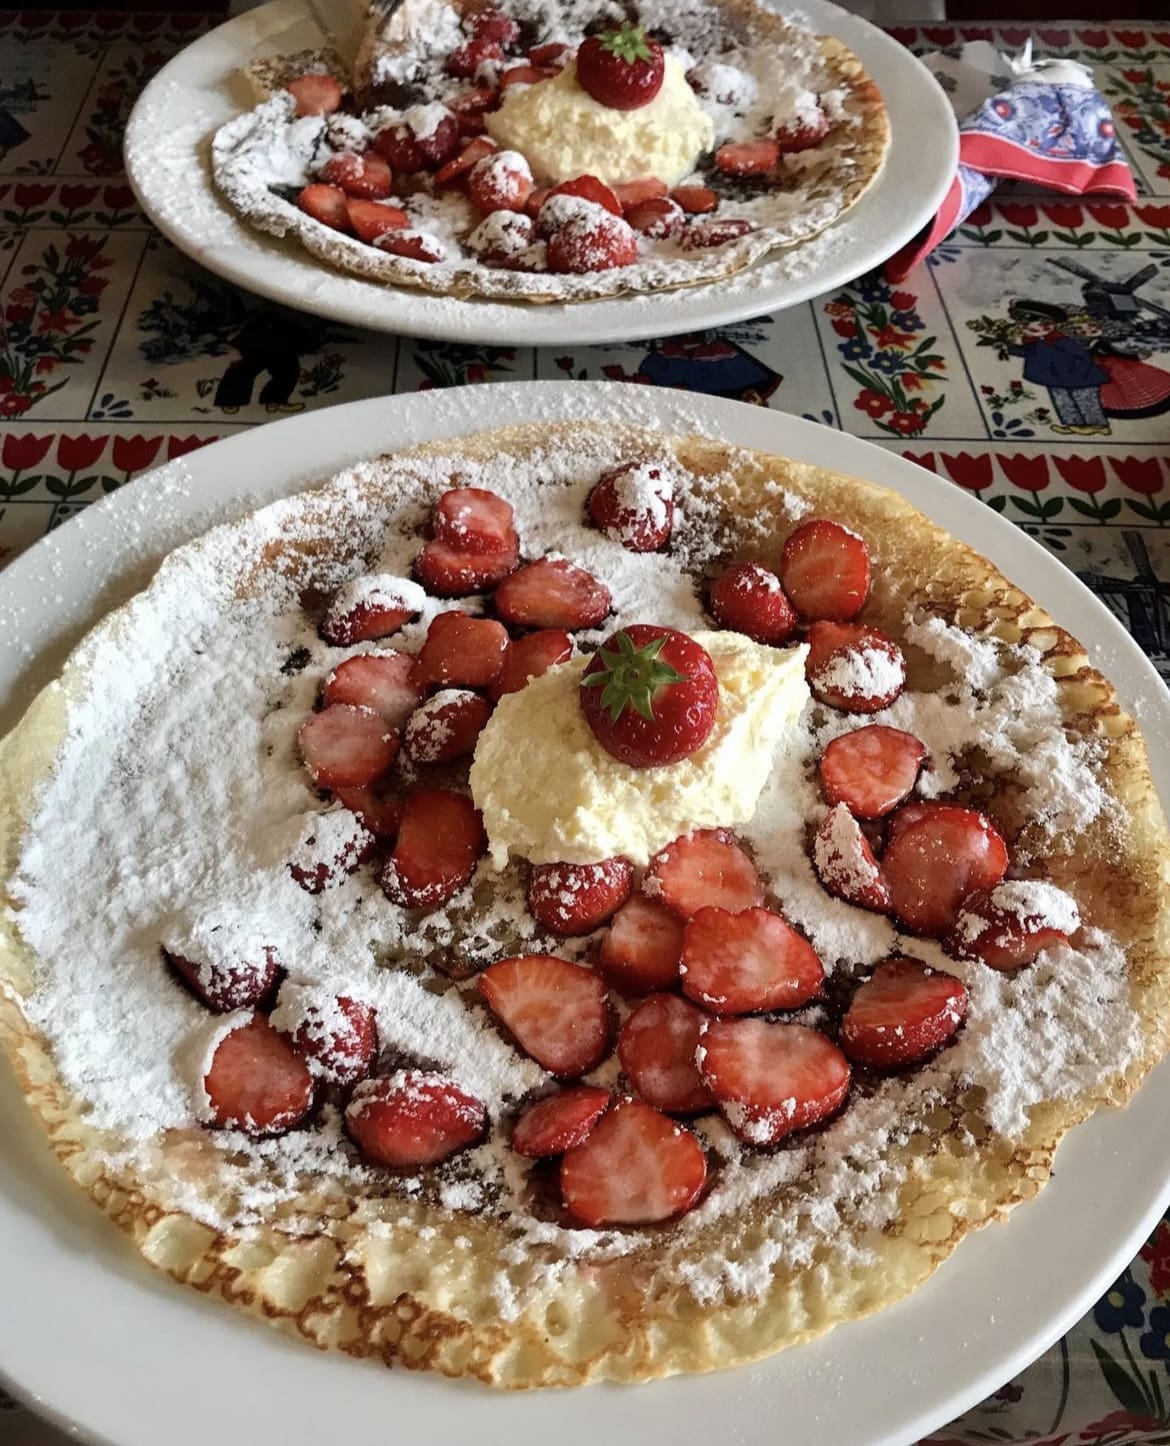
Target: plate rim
431	414
917	102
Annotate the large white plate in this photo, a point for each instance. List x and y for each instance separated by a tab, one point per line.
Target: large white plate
169	133
91	1334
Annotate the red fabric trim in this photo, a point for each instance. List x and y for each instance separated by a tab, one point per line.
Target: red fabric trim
902	262
995	156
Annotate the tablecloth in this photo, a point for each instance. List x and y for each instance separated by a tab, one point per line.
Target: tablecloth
117	353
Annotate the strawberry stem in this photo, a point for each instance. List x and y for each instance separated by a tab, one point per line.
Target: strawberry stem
628	44
632	676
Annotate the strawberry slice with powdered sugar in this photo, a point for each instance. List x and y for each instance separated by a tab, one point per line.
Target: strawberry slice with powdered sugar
936	863
701	869
449	571
902	1014
330	847
871	770
748	158
702	235
256	1081
560	1122
637	1167
456	171
413	1118
374	222
658	218
474	520
695	200
909	813
369	608
803	134
462	651
553	593
378	681
364	177
347	747
771	1079
573	899
440	841
315	94
748	598
845	864
337	1036
327	204
446	726
630	194
381	815
499	182
590	240
581	188
529	657
825	571
853	667
1012	924
218	969
634	504
748	962
657	1048
642	950
557	1012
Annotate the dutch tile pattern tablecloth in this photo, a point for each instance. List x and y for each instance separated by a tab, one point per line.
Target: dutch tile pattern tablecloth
117	353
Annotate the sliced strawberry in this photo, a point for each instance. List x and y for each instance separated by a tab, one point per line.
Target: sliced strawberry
440	841
413	1118
933	865
415	245
382	816
701	235
451	572
536	200
370	607
747	598
529	657
326	204
469	108
460	651
657	1048
331	846
589	188
748	158
315	94
802	135
845	863
642	949
909	813
446	726
256	1081
346	747
380	681
366	177
637	1167
492	24
336	1035
588	243
457	169
472	519
634	504
398	145
658	219
499	182
825	571
557	1012
220	973
771	1079
901	1014
371	221
636	193
853	667
748	962
704	869
872	769
573	899
559	1122
1010	925
695	200
439	141
553	593
524	75
505	238
555	54
466	59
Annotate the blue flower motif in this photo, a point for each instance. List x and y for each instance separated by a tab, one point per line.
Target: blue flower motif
1155	1342
855	348
889	361
1123	1304
907	320
872	288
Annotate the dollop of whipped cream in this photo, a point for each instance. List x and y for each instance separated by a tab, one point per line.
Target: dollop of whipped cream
550	793
563	132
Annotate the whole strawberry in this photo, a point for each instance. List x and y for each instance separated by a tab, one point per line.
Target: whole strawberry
621	68
650	696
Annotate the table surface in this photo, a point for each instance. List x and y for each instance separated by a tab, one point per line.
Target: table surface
117	353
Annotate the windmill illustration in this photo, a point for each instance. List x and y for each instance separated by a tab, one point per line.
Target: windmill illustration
1142	602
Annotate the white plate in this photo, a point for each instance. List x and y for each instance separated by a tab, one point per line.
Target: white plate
170	130
94	1336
